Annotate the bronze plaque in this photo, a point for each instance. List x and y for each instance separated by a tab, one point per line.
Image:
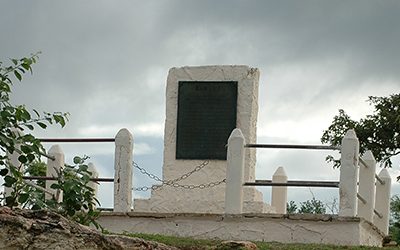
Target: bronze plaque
206	118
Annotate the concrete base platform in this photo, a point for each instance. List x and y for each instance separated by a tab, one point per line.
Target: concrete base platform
298	228
207	201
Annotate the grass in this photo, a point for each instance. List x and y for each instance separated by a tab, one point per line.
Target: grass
198	244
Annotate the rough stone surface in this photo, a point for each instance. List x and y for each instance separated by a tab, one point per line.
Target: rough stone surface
26	229
210	199
237	245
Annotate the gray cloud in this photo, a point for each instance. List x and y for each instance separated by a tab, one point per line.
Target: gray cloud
106	62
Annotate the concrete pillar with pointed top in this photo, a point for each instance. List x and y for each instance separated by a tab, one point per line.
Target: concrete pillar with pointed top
348	175
95	174
53	169
366	187
13	160
279	194
234	173
123	171
382	201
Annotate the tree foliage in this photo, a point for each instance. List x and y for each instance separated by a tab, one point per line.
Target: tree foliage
312	206
394	227
16	123
378	132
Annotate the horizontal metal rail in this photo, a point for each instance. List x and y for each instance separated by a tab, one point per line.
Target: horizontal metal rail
47	156
382	182
77	139
378	214
361	198
334	184
289	146
363	163
49	178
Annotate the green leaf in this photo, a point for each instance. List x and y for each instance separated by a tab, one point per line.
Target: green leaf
17	75
15	61
55	186
85	178
4	172
29	126
41	124
23	198
36	207
77	160
22	159
26	66
36	112
71	213
9	181
26	149
30	157
10	201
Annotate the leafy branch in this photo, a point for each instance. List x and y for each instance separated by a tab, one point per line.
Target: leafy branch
79	201
378	132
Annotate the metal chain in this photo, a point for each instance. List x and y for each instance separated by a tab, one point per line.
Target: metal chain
173	183
184	176
199	186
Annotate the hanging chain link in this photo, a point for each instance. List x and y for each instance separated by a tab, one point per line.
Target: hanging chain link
173	183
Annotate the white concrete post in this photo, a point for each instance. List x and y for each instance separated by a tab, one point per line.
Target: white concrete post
348	175
382	201
279	194
234	173
13	160
123	171
366	187
95	174
53	168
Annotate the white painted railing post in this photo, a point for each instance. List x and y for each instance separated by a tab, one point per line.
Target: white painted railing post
366	187
279	194
234	173
53	169
348	175
95	174
382	201
13	160
123	171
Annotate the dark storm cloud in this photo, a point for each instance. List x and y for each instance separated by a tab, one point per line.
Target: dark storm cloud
106	62
108	49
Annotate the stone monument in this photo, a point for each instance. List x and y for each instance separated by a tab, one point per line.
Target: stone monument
203	105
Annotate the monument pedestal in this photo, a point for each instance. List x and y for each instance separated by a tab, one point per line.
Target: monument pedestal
203	106
211	200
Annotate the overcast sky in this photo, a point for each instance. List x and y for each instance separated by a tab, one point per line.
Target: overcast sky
106	62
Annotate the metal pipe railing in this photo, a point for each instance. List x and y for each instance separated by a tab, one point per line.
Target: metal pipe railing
290	146
50	178
334	184
77	140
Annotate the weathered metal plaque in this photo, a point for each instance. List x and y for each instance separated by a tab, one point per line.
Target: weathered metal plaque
206	118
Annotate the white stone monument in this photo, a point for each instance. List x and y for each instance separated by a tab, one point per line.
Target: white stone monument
191	138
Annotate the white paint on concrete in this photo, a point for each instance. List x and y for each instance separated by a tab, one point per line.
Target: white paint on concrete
366	187
123	171
348	174
95	174
209	200
234	173
279	194
382	201
54	167
321	229
13	159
